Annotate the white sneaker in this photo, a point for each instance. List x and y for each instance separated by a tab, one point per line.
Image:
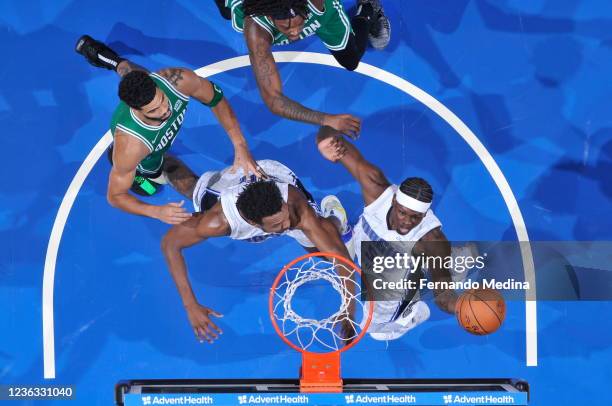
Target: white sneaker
414	315
331	207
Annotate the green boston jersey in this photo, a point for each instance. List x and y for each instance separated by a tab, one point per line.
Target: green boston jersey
158	138
331	25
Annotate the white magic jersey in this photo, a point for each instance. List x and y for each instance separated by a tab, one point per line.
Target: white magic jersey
225	186
372	224
393	318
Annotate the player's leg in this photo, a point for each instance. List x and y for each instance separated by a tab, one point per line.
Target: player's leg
392	319
379	32
98	53
225	11
101	55
180	177
369	23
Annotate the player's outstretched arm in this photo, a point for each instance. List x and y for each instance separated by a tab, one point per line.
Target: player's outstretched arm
197	229
325	236
435	244
101	55
127	153
270	87
334	147
211	95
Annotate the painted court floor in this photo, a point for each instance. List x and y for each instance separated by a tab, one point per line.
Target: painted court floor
480	97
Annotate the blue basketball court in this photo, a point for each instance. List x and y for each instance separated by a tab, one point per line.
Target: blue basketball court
502	105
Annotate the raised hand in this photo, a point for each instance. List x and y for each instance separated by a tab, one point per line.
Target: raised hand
345	123
332	148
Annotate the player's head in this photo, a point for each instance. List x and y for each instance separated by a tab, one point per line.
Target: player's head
262	205
410	203
140	92
287	15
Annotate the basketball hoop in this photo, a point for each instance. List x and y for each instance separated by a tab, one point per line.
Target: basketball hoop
320	339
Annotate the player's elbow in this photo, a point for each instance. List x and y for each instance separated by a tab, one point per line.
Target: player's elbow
167	243
274	102
111	198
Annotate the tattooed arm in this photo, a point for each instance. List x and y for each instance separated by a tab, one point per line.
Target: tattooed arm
126	67
270	88
190	84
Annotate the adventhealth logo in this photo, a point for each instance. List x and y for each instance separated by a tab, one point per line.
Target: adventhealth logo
388	399
180	400
479	400
273	399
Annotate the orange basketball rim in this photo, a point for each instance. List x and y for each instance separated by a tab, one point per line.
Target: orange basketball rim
320	371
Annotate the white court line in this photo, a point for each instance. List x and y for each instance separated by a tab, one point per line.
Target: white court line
53	247
320	59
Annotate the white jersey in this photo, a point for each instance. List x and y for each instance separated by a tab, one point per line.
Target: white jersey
372	224
392	319
225	187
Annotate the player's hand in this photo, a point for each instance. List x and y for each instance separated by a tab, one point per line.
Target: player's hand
244	160
345	123
347	326
332	148
203	327
172	213
348	331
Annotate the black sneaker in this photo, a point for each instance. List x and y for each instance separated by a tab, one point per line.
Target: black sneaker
380	31
97	53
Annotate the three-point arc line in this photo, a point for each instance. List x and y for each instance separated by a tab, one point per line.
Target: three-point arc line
531	333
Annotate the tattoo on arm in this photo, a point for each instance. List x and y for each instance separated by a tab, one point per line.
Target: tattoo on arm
295	111
174	75
269	83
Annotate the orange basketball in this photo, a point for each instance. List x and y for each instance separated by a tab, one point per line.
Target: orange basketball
480	311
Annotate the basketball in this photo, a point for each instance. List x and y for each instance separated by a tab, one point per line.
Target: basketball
480	311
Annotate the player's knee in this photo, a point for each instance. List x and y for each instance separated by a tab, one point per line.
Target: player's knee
350	65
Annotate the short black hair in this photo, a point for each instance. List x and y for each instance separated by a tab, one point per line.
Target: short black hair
417	188
137	89
258	200
274	7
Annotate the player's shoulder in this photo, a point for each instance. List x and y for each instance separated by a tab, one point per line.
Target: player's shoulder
435	234
381	194
319	4
298	202
213	223
295	194
258	31
175	81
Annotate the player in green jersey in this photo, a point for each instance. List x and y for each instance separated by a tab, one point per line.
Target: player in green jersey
146	123
277	22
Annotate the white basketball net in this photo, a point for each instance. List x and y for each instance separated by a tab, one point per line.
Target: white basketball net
324	333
